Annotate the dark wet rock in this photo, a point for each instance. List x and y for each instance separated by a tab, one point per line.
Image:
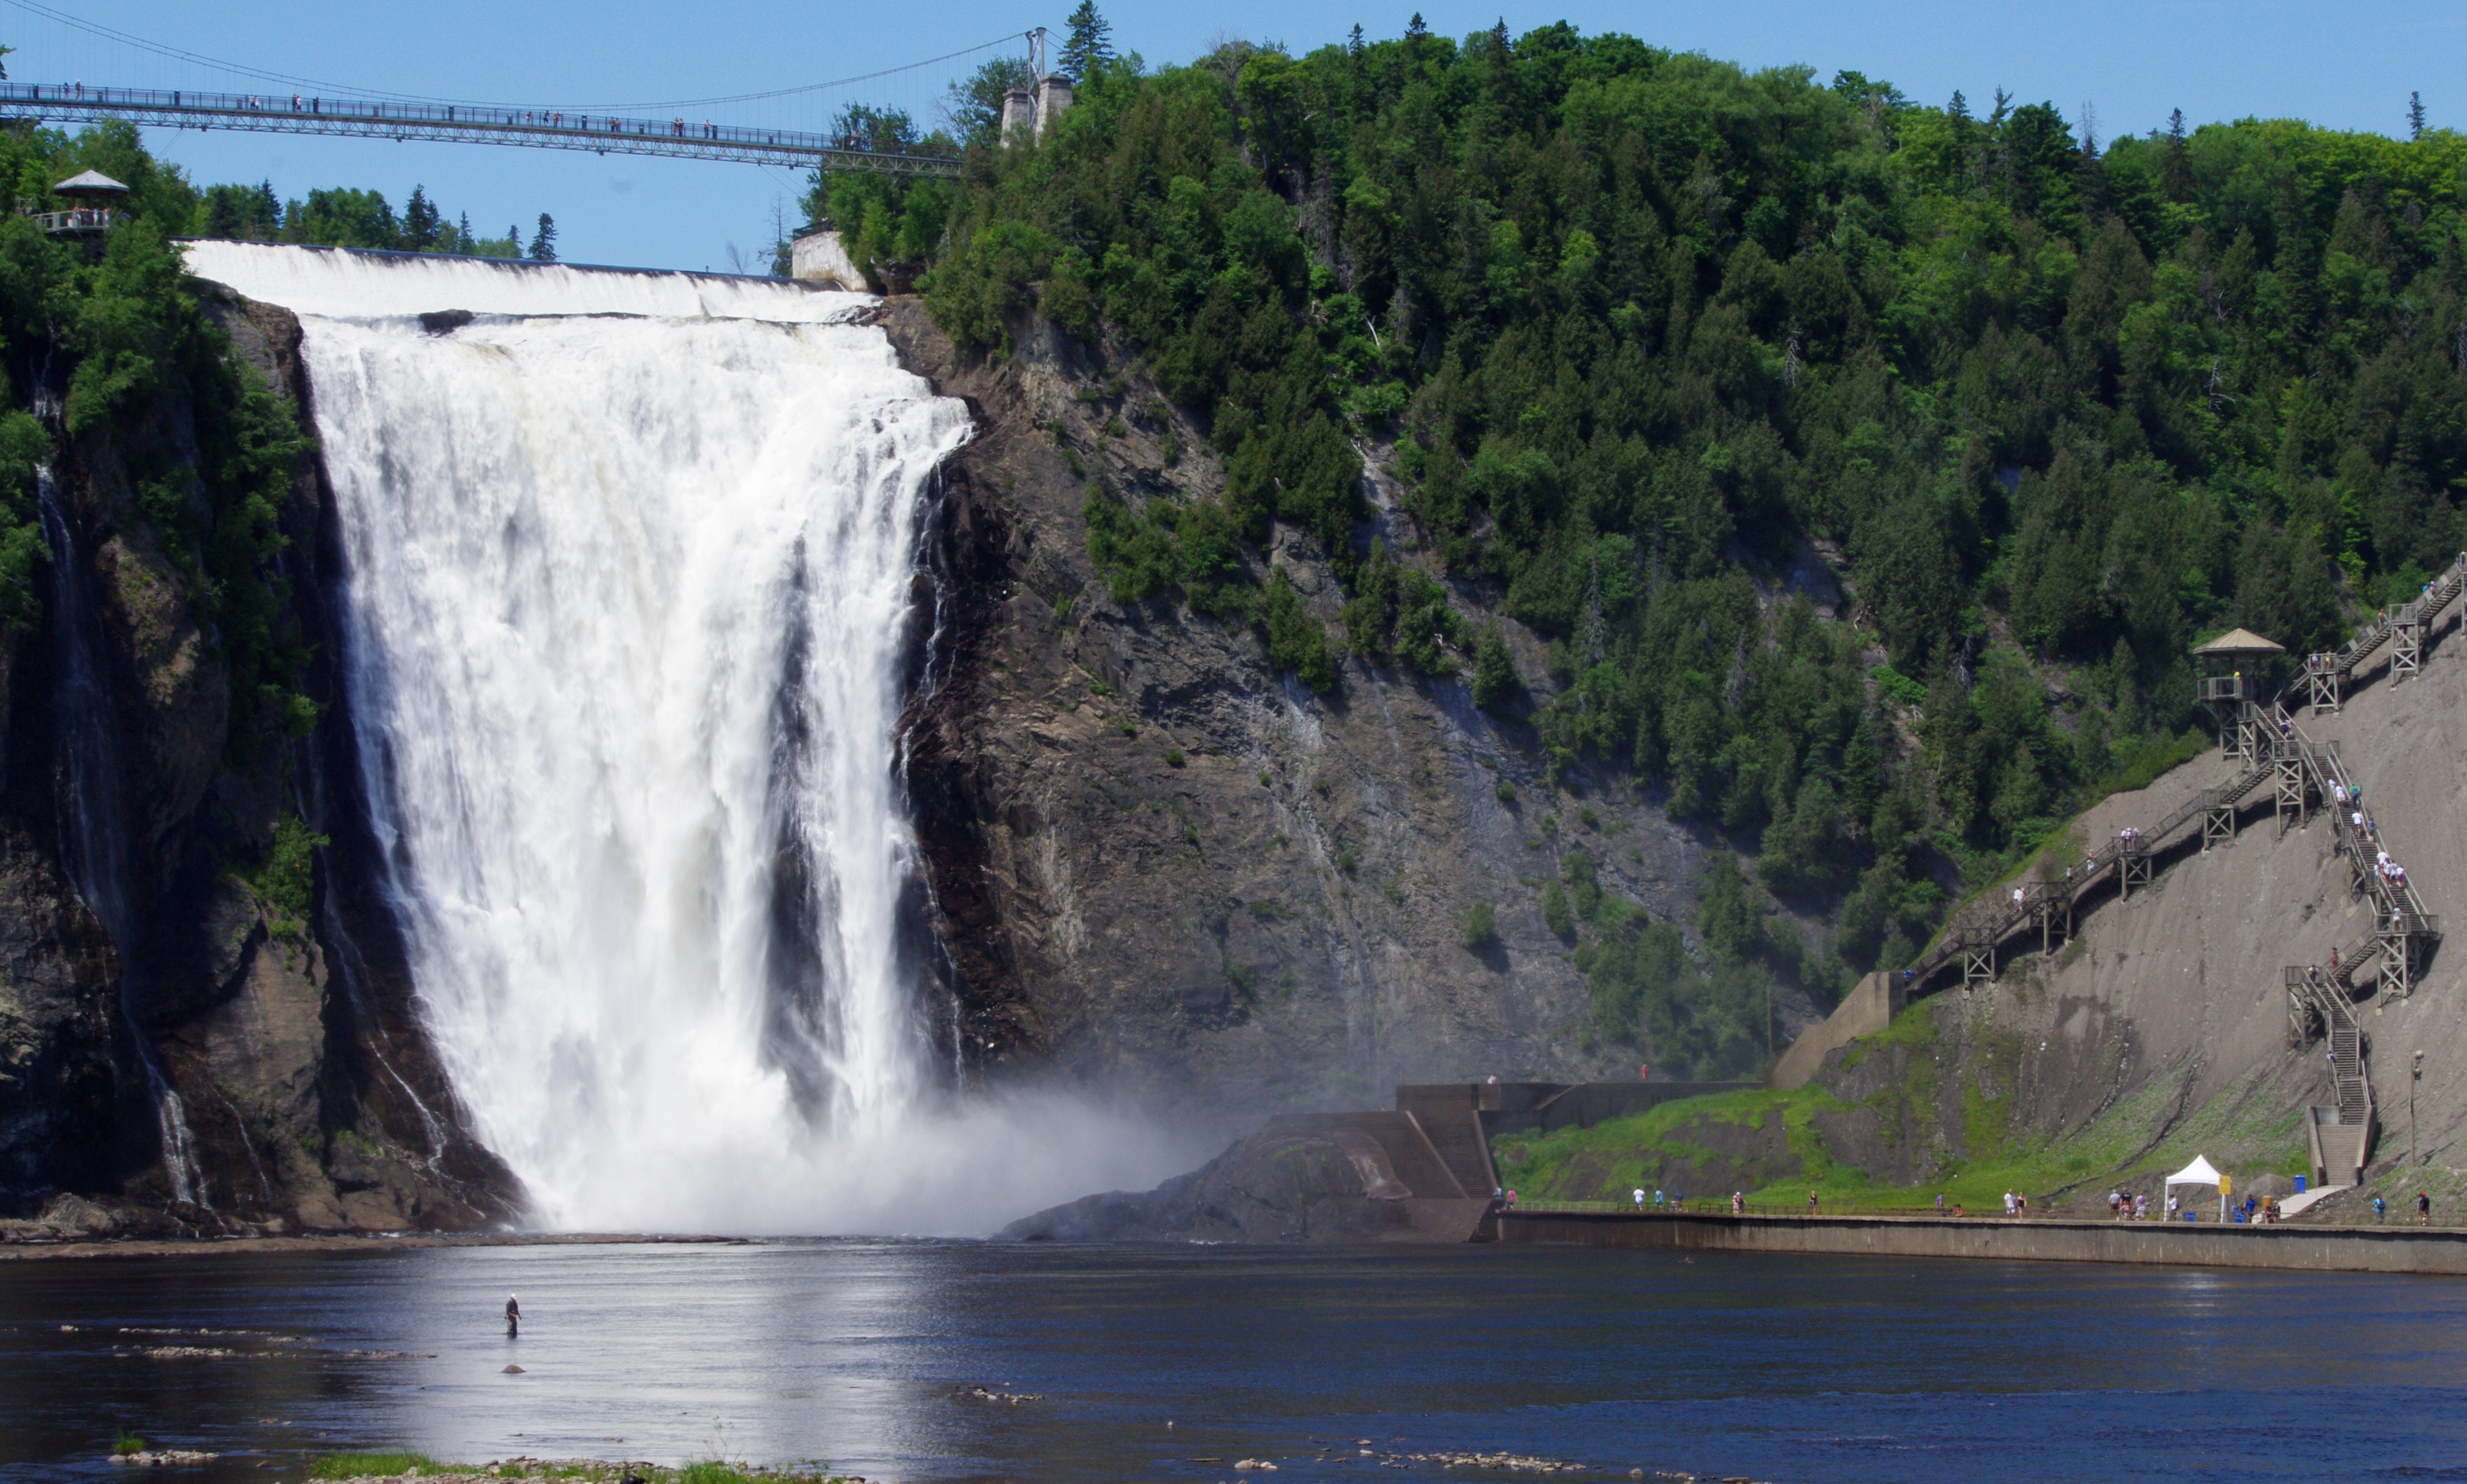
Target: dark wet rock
1278	1185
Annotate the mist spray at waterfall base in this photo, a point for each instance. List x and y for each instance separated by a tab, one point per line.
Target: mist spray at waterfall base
631	575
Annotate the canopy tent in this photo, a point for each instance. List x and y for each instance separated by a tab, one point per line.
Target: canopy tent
2200	1172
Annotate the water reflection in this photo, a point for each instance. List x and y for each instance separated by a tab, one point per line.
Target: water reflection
853	1351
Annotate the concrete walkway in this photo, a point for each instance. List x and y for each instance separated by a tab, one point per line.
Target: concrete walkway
2425	1250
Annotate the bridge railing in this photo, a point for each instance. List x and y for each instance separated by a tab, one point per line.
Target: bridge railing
311	112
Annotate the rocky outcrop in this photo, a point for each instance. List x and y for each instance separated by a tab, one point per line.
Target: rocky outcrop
310	1100
1161	865
1279	1185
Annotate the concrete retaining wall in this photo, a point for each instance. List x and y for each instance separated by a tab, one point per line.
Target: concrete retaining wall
1869	1008
2392	1248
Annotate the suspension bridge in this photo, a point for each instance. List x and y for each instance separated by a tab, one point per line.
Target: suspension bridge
599	133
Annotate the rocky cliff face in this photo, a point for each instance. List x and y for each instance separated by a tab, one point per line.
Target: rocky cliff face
309	1098
1161	864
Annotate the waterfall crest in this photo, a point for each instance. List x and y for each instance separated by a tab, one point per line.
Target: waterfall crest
629	562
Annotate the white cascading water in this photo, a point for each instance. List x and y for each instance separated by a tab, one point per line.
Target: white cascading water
630	560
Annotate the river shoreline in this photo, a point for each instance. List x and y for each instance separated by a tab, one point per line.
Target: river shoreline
2394	1249
337	1242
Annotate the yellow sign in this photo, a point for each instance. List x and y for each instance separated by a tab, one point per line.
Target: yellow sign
2227	1185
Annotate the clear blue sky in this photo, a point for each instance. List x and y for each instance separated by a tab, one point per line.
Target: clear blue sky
2336	66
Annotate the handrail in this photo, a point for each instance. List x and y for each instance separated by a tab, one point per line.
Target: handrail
2422	609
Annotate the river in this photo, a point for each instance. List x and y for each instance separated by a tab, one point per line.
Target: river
1174	1362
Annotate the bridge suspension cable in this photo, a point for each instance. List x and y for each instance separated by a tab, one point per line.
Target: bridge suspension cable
367	118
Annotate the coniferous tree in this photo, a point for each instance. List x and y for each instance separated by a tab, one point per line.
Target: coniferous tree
2414	117
543	248
2176	176
421	222
1494	672
1090	46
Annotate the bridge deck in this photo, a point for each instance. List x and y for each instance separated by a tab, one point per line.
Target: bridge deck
457	123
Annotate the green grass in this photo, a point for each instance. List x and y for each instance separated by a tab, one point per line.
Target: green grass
126	1442
2243	1128
344	1466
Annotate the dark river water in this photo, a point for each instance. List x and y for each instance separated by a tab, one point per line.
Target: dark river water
1172	1362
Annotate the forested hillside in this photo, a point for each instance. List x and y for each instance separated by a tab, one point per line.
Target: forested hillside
1635	328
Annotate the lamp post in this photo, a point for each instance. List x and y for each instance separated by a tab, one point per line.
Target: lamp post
2415	1074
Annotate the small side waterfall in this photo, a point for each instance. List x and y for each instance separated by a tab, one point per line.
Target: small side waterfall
96	839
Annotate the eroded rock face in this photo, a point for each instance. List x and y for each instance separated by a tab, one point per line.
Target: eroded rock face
1277	1186
1161	865
57	977
311	1098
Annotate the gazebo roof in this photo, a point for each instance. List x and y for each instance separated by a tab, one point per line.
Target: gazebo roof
90	182
2240	642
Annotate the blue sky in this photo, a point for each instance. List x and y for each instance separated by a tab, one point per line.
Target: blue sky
2131	62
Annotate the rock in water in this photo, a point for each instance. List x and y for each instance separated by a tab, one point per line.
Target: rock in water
511	1370
1276	1185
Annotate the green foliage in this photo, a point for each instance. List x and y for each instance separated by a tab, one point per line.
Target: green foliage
209	450
341	217
1644	326
1173	757
344	1466
974	104
284	880
1089	46
1495	684
1555	914
1481	927
1296	641
124	1441
1400	614
23	446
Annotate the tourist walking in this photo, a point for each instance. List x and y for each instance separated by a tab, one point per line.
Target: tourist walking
2381	1210
2423	1209
1811	1202
1738	1202
1640	1197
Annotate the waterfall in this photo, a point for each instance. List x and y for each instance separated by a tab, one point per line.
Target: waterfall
629	569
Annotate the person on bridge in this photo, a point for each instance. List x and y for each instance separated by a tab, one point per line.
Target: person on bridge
1640	1197
2423	1209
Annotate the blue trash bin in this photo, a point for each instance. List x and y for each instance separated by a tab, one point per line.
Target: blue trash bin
2299	1183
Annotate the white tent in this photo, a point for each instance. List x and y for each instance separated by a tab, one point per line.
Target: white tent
2200	1172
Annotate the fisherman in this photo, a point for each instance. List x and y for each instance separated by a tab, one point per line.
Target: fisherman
513	1315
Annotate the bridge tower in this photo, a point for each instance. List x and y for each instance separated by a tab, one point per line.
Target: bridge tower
2231	696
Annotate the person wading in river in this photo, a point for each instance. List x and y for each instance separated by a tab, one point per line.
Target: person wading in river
513	1315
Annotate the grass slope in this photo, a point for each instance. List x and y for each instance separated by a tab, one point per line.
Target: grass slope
1774	1145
